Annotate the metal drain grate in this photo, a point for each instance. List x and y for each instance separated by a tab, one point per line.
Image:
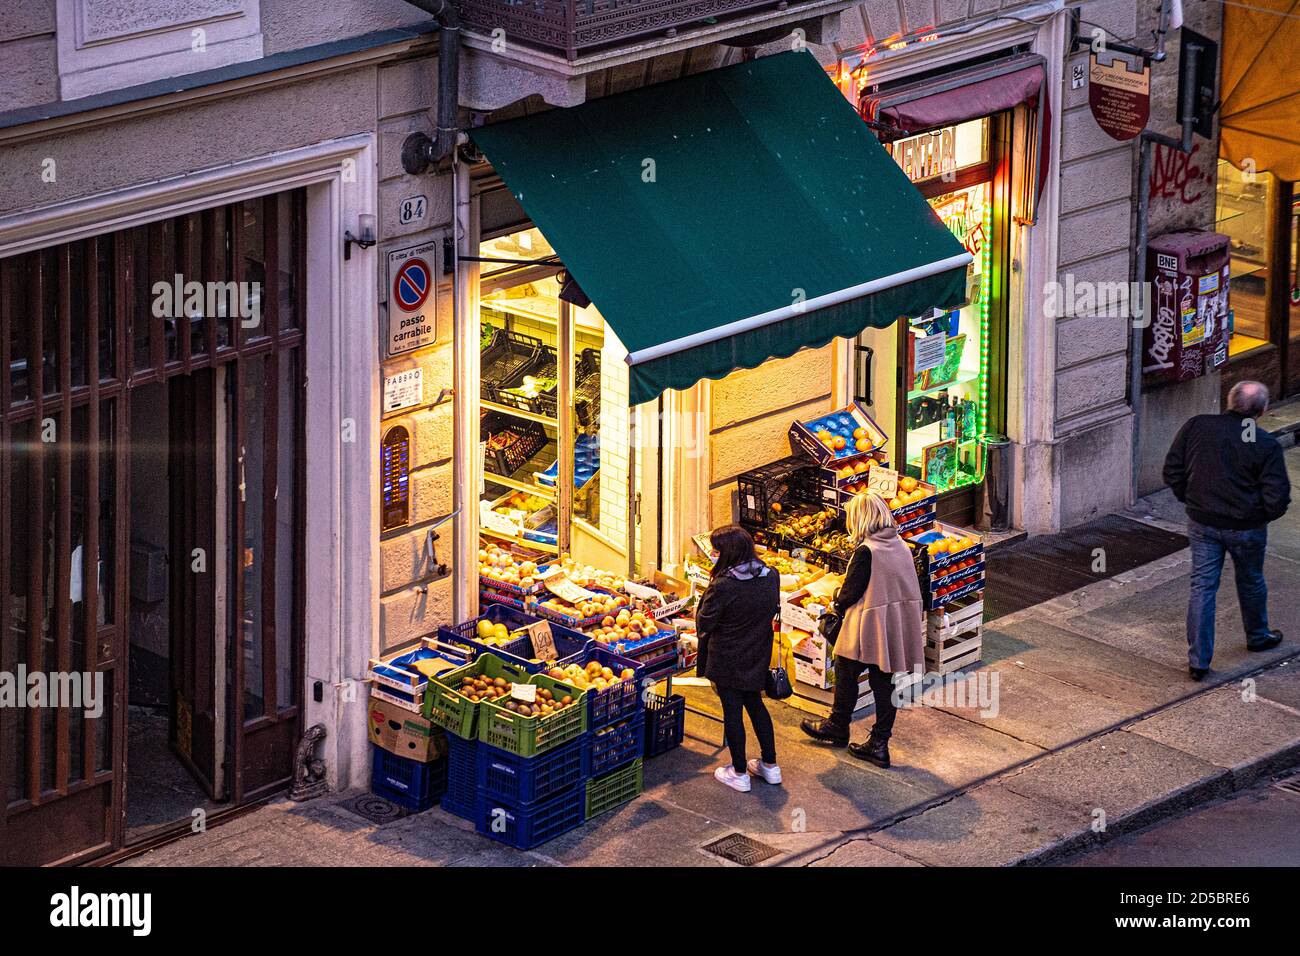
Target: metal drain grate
741	849
1290	784
375	809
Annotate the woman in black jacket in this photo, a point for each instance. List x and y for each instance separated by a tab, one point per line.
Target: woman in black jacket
734	627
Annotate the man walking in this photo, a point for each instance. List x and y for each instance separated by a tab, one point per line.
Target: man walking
1231	476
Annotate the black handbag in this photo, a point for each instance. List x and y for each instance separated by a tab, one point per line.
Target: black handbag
829	626
778	683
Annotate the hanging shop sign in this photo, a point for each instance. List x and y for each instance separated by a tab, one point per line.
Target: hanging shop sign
1120	98
403	390
412	299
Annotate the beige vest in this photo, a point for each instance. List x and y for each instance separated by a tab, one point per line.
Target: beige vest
886	627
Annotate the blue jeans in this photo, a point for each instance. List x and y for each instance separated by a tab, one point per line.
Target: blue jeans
1209	545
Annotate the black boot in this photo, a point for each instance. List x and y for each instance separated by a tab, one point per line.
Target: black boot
825	731
873	750
1265	643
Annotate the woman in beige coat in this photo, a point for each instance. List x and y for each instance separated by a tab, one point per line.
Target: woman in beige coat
883	630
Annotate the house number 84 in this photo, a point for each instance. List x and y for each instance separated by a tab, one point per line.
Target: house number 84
412	210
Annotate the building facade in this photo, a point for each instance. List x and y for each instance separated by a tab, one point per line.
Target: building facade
229	522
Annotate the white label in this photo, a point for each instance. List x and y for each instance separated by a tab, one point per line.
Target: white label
404	390
412	210
412	299
928	352
496	522
524	692
566	590
883	481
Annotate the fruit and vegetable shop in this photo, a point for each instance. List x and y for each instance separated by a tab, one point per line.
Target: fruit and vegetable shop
642	373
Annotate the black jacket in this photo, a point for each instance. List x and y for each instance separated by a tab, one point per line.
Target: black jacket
734	627
1225	479
856	578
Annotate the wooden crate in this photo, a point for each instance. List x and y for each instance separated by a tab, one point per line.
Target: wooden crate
947	654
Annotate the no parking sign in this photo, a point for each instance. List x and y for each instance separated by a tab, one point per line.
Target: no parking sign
412	299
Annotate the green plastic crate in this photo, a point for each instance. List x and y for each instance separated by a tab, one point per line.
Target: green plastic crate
456	713
526	736
614	789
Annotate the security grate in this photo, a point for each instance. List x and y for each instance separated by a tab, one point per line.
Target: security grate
375	809
741	849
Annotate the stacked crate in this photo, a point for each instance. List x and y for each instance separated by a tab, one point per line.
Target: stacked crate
952	587
525	780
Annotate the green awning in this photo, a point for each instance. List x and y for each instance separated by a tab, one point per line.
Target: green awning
727	218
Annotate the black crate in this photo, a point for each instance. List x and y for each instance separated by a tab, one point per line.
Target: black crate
505	362
586	391
530	438
790	483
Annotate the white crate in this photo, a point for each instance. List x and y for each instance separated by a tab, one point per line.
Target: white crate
947	654
953	619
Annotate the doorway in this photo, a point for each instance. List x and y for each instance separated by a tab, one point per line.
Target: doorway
151	523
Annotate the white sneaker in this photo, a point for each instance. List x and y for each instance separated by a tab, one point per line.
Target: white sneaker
736	781
768	771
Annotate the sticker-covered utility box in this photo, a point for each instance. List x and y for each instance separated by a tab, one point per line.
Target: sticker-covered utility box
1190	322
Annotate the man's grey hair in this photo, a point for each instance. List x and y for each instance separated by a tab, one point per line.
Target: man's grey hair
1248	398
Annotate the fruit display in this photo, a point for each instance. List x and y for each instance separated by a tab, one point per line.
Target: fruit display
836	542
593	675
546	703
496	635
584	575
625	626
496	565
806	525
604	605
843	434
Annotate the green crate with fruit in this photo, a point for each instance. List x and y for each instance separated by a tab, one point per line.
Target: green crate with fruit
453	700
556	715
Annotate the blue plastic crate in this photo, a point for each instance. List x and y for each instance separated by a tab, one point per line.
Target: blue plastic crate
529	825
408	783
461	797
622	700
515	780
612	747
570	645
665	723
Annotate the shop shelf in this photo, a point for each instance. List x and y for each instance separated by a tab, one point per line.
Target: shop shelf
620	701
461	797
542	403
570	645
504	363
508	778
614	789
410	784
525	826
511	443
453	711
665	723
611	747
527	736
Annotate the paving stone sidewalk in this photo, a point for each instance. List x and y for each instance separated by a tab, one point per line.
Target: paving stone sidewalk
1098	732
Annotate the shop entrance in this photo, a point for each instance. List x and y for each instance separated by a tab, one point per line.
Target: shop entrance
151	523
939	378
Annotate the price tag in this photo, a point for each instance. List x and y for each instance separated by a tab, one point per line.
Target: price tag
543	641
496	522
525	692
566	590
883	481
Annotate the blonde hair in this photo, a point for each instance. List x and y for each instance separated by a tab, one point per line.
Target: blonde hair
865	514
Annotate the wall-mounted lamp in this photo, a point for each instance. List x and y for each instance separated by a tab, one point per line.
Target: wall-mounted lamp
366	225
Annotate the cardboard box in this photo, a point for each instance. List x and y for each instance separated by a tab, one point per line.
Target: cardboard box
668	596
403	733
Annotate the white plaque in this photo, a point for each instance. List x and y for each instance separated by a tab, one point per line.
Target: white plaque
403	390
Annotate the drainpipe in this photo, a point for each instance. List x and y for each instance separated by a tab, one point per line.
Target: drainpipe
1190	55
419	151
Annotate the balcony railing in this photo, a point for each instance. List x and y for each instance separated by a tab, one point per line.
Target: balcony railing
574	27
